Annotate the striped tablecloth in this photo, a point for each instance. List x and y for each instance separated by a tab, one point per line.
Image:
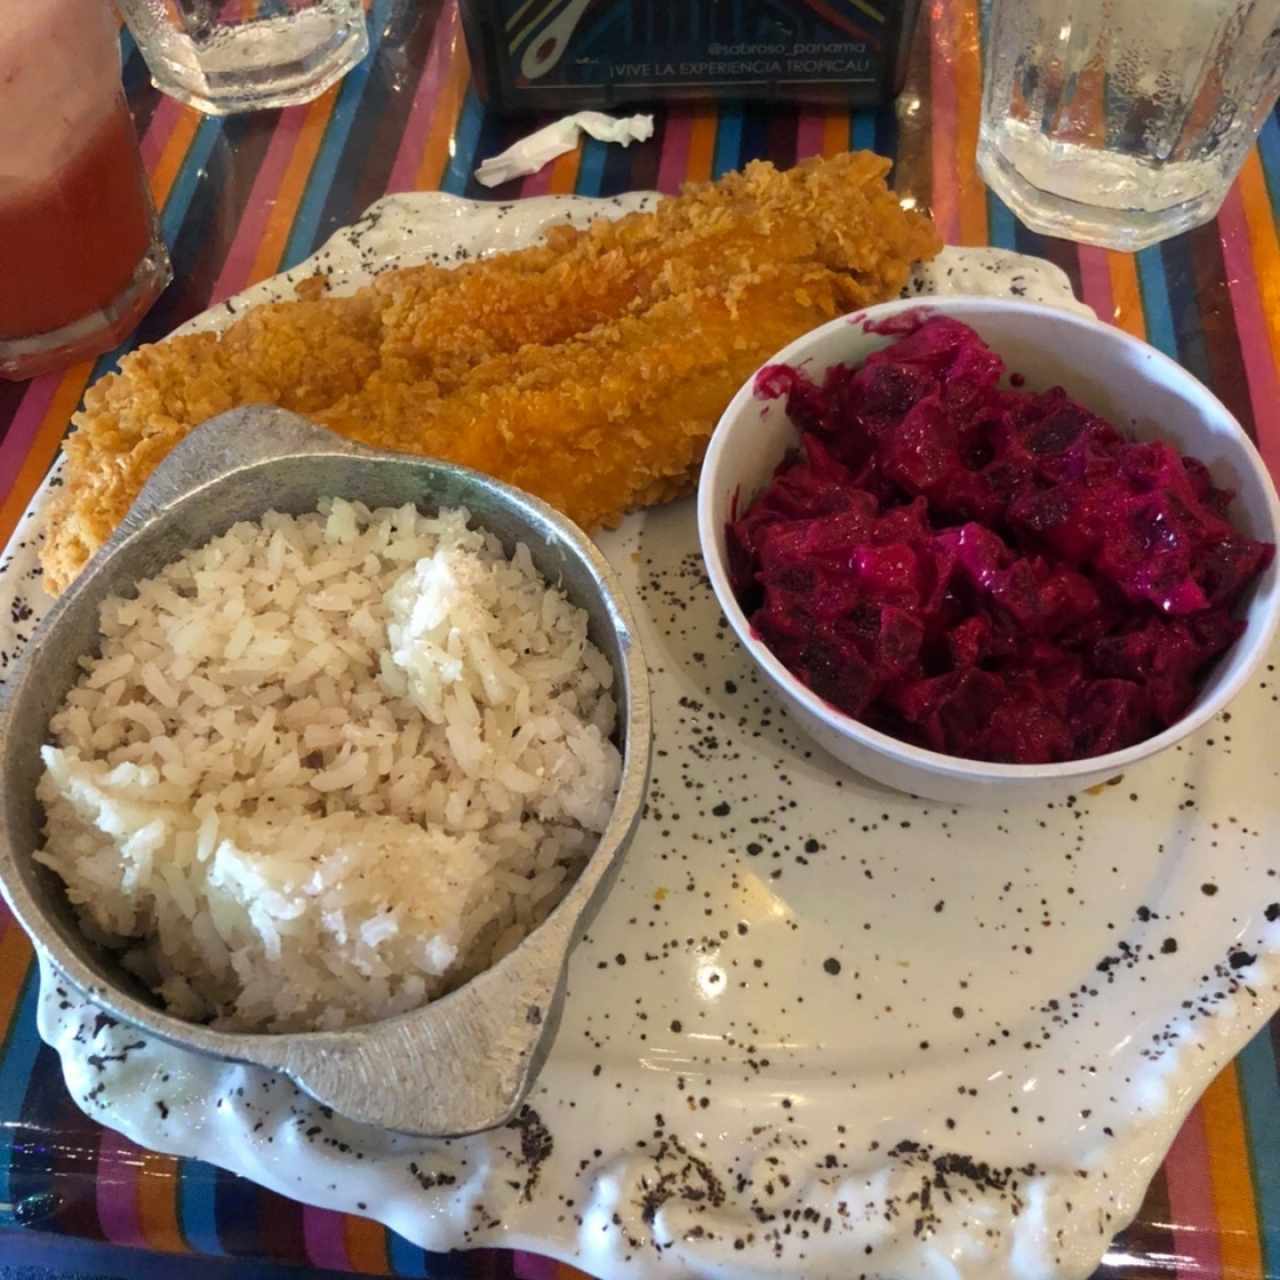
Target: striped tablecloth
245	197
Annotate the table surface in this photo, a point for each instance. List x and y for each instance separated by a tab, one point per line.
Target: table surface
245	197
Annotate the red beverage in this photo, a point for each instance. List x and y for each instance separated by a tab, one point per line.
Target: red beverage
80	258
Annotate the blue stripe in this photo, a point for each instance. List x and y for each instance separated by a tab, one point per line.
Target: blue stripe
1155	301
406	1259
17	1057
591	168
1002	225
1269	153
1256	1067
466	137
306	222
197	1206
728	142
864	130
189	176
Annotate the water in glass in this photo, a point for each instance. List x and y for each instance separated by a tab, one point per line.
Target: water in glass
236	55
1123	122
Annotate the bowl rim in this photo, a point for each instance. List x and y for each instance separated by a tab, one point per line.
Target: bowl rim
333	1065
1255	642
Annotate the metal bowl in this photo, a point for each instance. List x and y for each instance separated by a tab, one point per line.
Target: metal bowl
463	1062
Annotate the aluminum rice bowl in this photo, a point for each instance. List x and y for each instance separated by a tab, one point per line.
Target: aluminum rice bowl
464	1061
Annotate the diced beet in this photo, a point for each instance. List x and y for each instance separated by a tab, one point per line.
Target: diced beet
1025	731
967	642
839	675
993	573
979	552
1225	567
1043	599
1109	715
888	574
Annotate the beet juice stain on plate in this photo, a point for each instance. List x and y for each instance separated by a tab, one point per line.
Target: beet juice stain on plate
80	250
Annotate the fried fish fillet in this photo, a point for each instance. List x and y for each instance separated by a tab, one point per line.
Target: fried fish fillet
590	369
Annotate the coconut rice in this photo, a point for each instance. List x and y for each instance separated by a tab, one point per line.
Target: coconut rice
327	767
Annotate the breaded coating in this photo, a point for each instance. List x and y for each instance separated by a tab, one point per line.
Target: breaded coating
590	369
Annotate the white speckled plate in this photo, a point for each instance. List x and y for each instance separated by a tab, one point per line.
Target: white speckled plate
818	1029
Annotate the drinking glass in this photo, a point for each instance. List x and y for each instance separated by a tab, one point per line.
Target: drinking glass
1123	122
81	259
237	55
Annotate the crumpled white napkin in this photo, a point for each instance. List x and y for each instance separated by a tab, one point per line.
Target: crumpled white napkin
530	154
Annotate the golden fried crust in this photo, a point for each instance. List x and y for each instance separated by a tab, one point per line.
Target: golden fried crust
590	369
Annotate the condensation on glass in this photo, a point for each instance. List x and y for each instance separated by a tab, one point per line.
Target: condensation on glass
223	56
1123	122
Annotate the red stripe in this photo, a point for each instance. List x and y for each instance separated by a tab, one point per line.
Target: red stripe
237	267
22	427
809	135
673	168
413	142
325	1234
943	132
1194	1222
116	1186
1251	327
1095	282
164	119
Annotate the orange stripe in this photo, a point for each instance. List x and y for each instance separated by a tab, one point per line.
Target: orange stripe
15	956
275	235
564	173
166	168
448	106
1264	244
565	1272
44	446
835	133
366	1246
702	147
1229	1172
972	191
158	1203
1126	296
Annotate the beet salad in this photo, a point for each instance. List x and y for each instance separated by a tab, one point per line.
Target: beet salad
981	570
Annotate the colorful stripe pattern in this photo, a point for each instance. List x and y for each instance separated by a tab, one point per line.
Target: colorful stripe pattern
245	197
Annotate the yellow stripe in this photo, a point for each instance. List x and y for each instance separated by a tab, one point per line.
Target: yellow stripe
158	1203
702	147
1126	296
448	107
167	167
564	173
275	235
1264	245
968	74
15	956
835	132
366	1246
1229	1171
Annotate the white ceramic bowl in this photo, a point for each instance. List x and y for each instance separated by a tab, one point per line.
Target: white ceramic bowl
1126	381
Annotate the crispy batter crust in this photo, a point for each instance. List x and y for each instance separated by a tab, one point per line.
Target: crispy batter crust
590	369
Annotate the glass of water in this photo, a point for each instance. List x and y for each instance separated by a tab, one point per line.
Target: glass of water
238	55
1123	122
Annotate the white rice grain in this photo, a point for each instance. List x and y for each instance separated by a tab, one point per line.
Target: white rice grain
327	767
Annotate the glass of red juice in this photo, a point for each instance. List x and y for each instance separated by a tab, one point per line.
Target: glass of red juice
81	258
